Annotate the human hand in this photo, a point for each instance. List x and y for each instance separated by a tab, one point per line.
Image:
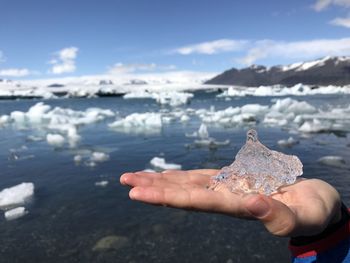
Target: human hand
303	209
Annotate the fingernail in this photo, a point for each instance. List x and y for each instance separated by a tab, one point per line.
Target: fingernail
259	209
133	194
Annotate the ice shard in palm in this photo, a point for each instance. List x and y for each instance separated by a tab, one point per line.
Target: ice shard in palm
257	169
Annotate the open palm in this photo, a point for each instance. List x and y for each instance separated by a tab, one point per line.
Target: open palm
304	208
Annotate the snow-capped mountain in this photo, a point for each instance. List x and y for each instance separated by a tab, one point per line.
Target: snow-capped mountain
325	71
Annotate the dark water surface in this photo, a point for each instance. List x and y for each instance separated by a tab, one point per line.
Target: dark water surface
69	214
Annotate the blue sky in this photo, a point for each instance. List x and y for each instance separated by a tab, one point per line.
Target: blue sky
43	39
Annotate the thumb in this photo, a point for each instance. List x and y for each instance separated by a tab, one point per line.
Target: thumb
278	218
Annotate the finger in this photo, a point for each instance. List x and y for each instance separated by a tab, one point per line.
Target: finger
208	172
172	176
278	218
134	179
195	199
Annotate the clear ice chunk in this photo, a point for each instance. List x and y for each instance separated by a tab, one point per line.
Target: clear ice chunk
257	169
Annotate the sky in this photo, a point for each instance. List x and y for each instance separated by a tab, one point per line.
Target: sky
50	39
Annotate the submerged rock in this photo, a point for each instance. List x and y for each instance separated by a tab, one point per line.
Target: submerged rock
257	169
336	161
110	243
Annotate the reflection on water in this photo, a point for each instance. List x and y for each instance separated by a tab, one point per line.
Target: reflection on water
72	220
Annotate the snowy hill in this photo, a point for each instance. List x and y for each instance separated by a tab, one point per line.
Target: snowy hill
325	71
103	85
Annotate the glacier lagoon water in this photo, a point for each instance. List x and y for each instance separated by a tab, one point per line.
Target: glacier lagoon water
69	214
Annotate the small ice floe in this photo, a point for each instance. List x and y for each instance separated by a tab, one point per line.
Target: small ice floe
288	142
101	183
205	140
332	160
4	119
15	213
99	157
160	163
16	195
32	138
77	158
184	118
56	140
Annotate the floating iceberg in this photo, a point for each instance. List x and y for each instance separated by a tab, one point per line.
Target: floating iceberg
16	195
256	169
144	123
204	138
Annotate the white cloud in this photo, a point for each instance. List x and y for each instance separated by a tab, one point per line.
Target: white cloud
296	50
212	47
14	72
341	21
64	61
120	68
320	5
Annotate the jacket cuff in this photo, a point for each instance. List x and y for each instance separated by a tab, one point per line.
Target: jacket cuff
330	237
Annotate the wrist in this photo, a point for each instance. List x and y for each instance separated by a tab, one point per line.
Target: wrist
337	230
340	218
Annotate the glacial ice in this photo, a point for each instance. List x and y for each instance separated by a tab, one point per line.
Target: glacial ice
160	163
256	169
16	195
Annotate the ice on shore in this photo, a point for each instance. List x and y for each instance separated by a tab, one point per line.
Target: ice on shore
16	195
257	169
160	163
280	90
15	213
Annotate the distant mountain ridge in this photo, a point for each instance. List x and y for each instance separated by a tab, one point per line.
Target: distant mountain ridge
321	72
